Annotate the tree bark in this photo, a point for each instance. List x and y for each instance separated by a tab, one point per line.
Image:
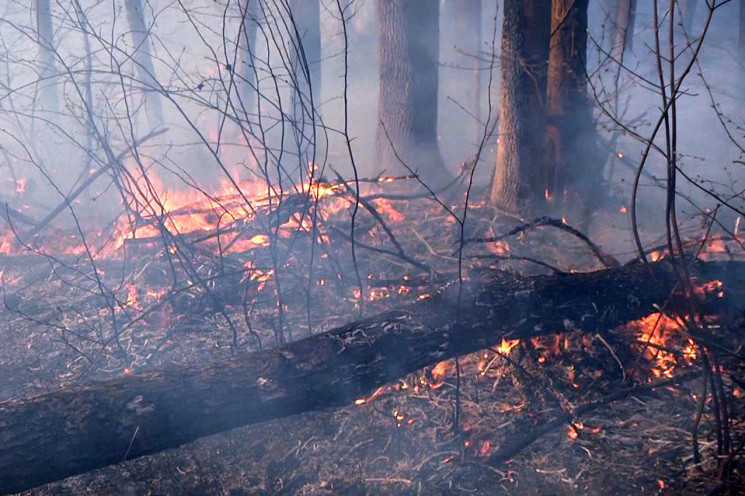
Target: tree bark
522	118
409	47
45	33
143	59
54	435
573	164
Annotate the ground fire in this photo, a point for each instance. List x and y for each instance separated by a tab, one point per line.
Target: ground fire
303	247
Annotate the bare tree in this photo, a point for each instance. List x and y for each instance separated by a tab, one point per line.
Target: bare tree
525	51
573	164
623	36
249	24
143	58
741	33
467	47
45	33
407	102
687	13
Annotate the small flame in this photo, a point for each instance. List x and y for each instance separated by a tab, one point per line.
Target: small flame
505	347
260	240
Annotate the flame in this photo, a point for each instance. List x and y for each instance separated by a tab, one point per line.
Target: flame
505	347
260	240
384	207
131	295
657	331
439	370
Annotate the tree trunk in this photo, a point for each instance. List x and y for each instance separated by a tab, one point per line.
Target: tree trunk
54	435
623	37
517	183
47	51
687	10
409	47
144	61
248	90
741	33
464	55
305	92
573	162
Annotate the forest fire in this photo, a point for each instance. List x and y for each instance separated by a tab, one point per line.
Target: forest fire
261	247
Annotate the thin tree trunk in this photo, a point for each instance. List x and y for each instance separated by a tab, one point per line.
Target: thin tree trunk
409	45
305	68
687	10
144	61
45	33
517	183
54	435
574	164
466	57
741	33
248	89
623	37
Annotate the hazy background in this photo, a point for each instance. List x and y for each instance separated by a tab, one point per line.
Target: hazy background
46	152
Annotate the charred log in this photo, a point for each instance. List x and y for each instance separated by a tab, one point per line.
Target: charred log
54	435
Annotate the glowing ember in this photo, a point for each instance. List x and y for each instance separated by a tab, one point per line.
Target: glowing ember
500	247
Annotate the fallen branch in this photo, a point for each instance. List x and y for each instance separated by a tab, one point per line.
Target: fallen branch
54	435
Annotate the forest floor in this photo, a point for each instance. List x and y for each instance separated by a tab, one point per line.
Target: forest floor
400	440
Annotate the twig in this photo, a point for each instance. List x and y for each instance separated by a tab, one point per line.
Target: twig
607	260
518	446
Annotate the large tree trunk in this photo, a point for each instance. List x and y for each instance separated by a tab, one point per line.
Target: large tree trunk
517	183
573	162
407	103
54	435
144	61
47	54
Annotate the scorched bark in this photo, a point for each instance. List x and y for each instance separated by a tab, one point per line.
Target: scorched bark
75	429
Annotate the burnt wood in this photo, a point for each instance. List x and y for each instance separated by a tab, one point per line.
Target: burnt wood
79	428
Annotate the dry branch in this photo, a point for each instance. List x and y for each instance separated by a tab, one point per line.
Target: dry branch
76	429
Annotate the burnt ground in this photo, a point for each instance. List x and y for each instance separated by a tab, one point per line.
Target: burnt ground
58	330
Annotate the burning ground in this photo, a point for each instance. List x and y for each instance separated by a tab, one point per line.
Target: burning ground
185	280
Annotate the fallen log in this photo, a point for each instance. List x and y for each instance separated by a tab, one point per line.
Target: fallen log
54	435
